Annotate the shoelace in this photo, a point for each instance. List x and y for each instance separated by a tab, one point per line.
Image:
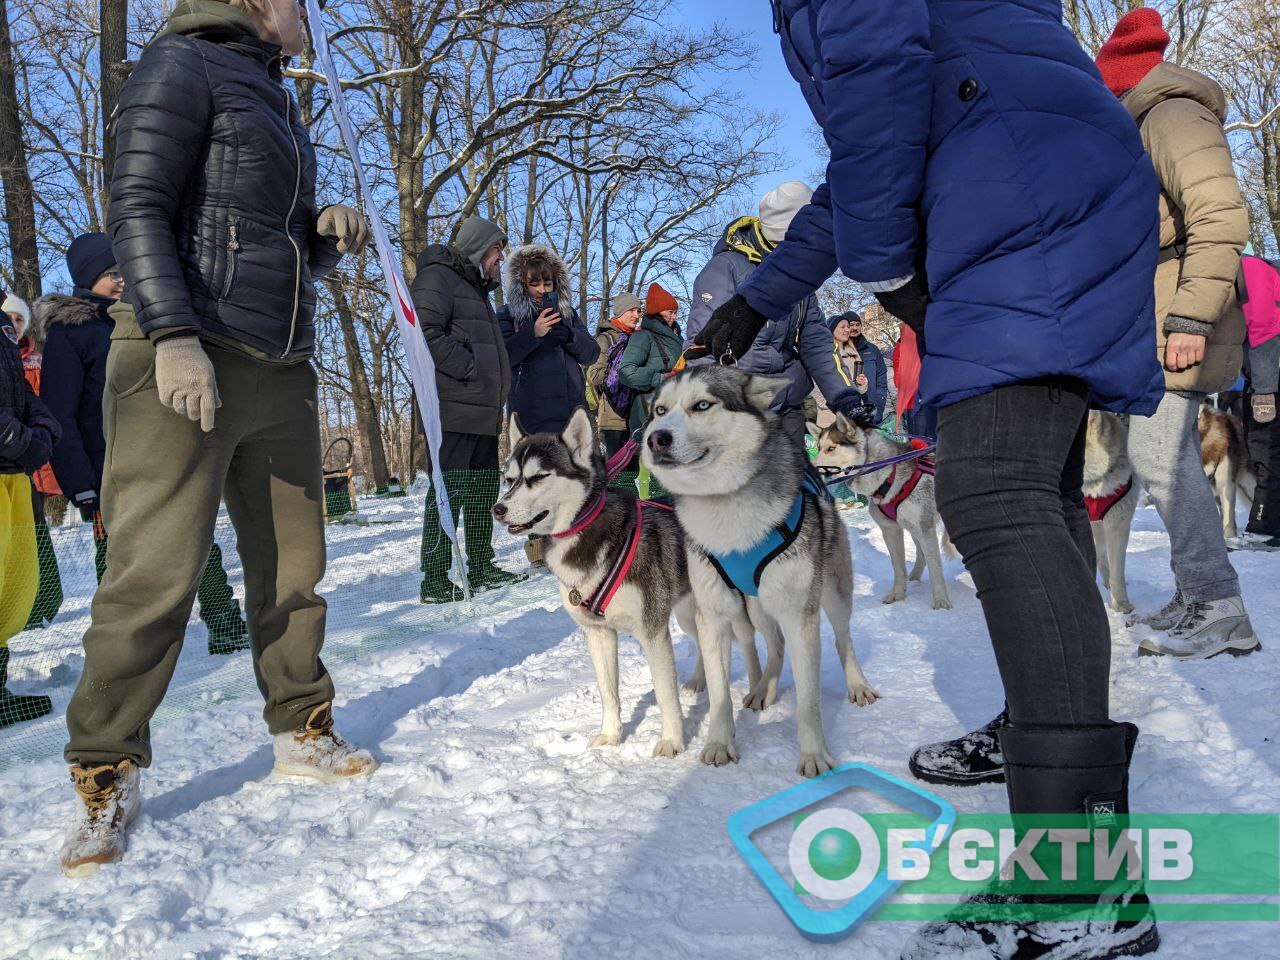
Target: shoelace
1196	614
92	790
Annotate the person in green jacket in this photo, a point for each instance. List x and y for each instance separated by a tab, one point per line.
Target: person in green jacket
651	352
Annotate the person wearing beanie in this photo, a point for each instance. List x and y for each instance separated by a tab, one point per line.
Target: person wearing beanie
49	594
796	344
983	182
473	378
611	339
860	363
651	353
27	434
1200	329
220	239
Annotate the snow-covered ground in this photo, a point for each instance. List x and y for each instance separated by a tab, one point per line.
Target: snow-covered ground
492	830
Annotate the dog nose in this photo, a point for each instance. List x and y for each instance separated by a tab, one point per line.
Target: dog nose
499	510
659	440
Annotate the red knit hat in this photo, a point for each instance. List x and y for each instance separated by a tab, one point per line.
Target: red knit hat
657	300
1136	45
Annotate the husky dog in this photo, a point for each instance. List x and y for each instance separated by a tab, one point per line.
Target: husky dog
1226	462
751	519
555	487
1111	493
902	499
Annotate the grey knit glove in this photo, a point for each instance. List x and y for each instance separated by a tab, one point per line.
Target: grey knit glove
346	225
185	379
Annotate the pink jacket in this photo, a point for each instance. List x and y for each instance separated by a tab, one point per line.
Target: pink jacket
1262	308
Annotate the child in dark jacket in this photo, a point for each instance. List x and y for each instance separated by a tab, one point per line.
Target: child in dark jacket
547	345
28	434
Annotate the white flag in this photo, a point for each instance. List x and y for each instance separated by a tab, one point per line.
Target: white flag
422	369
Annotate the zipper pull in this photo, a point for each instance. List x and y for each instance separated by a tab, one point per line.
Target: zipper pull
233	242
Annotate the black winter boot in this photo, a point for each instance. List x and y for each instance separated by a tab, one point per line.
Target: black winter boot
15	708
1054	770
974	758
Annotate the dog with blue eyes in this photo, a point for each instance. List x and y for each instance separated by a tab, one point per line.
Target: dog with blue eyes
760	529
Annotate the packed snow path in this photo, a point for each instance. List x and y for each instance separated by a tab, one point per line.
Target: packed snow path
493	831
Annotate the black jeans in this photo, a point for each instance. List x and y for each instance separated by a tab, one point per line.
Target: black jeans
1264	451
1010	468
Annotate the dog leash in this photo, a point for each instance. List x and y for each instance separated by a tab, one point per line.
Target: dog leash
833	475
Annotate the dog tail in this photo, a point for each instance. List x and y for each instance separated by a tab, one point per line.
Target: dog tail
948	548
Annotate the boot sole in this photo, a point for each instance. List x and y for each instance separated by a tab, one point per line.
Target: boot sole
324	776
949	780
1241	648
1149	942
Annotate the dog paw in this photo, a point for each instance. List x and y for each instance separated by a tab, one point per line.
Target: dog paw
917	576
941	603
668	749
863	695
760	697
1125	608
814	764
694	685
718	754
606	740
894	596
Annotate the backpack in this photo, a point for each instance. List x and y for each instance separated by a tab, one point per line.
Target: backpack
616	392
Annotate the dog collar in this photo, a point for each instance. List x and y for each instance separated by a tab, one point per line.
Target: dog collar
585	517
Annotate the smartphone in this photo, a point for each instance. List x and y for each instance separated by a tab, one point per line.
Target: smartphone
551	301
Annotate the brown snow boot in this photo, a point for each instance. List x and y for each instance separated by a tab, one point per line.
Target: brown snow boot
110	798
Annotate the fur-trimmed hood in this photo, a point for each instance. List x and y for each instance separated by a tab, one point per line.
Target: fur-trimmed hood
58	308
514	294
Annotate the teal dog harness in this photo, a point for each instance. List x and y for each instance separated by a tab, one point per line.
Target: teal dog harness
741	570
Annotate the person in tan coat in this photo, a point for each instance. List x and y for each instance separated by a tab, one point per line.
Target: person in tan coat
1199	327
611	423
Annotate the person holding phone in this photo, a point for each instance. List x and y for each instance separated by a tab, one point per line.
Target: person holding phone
547	345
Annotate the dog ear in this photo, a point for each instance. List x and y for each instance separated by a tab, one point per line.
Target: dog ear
515	433
845	425
761	391
812	429
579	435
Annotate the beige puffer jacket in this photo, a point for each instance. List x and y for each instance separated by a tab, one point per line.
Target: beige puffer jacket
1201	212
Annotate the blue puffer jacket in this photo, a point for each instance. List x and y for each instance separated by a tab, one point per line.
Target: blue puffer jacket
547	382
795	343
979	139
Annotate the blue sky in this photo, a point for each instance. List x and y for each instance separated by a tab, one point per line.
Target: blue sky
769	86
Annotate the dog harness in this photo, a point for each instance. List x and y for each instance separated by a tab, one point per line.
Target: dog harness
1099	507
598	602
922	467
741	569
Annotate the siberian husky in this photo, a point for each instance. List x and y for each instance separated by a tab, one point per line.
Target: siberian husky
556	487
1226	463
902	499
752	520
1111	493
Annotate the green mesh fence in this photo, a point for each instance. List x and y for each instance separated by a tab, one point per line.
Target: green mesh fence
387	583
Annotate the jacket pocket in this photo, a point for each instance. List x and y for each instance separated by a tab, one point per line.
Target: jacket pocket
233	257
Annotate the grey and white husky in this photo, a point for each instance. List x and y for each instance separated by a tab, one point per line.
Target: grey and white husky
907	498
556	487
738	484
1111	493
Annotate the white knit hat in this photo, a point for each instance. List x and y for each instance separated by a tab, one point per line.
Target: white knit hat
779	206
15	304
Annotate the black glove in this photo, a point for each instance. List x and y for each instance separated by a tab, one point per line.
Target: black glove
87	504
908	302
860	410
38	450
561	331
732	329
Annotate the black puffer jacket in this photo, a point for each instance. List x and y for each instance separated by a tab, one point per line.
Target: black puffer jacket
473	377
28	432
213	209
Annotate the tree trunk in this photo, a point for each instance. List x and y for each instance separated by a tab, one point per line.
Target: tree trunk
113	52
361	400
19	198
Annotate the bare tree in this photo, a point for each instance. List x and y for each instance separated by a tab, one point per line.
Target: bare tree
19	196
113	45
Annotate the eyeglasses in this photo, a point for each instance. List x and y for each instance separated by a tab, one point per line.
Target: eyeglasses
115	276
